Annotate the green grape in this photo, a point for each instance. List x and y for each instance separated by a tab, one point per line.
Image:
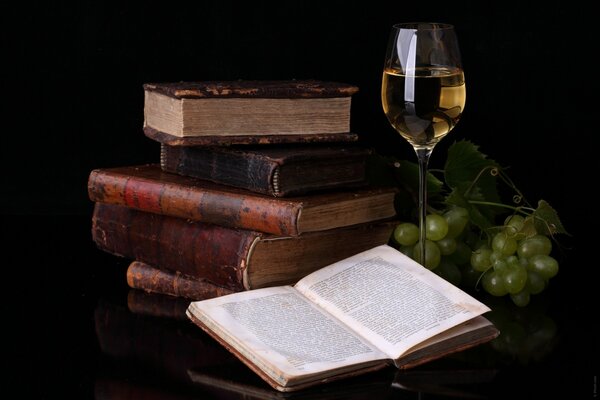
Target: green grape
500	265
521	299
538	244
462	254
480	259
513	262
449	271
436	227
432	254
493	284
504	244
514	279
543	265
496	255
447	246
513	225
406	234
535	283
457	219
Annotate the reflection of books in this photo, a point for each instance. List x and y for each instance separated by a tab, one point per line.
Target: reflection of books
157	305
193	113
236	384
167	346
452	383
357	315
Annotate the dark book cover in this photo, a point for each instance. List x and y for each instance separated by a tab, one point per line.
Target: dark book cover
289	89
272	170
217	140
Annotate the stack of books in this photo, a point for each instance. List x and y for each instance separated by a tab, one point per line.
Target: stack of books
259	184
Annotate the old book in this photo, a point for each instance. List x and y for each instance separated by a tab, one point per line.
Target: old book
155	280
149	189
272	170
192	113
233	258
360	314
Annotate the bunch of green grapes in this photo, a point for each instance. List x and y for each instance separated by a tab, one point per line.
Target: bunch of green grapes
510	261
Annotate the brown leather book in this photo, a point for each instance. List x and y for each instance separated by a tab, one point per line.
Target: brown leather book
273	170
151	279
227	112
148	188
233	258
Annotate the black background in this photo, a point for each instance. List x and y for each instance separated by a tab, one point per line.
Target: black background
73	101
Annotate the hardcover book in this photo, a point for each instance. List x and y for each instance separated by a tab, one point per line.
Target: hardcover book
236	259
147	188
273	170
200	113
360	314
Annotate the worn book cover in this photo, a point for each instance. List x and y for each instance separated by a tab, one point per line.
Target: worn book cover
236	259
173	283
227	112
273	170
148	188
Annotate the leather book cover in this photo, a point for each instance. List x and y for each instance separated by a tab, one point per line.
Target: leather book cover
151	279
273	170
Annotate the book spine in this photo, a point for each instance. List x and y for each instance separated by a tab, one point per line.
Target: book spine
223	208
245	171
151	279
207	251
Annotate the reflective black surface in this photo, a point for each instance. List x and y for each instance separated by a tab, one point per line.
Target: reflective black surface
74	329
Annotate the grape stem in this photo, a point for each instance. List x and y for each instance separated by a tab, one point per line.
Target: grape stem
490	203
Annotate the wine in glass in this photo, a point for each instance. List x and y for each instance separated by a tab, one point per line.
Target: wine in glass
423	93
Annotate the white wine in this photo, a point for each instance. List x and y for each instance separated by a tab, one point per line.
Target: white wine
425	104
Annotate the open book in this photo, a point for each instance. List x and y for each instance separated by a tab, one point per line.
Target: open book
360	314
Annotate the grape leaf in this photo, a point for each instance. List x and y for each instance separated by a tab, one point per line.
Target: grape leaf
546	219
466	164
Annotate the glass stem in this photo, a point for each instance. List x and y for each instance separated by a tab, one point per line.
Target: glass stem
423	155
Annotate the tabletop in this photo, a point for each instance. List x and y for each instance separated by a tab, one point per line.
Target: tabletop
76	330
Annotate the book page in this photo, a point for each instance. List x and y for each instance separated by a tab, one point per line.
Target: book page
389	299
283	333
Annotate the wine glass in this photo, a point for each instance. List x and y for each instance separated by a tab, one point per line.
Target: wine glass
423	93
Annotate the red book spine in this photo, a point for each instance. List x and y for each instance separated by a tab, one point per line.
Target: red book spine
151	279
147	188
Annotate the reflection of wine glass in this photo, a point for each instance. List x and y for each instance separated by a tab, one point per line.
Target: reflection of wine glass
423	93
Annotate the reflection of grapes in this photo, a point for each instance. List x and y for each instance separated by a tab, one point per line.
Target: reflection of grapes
515	261
526	334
